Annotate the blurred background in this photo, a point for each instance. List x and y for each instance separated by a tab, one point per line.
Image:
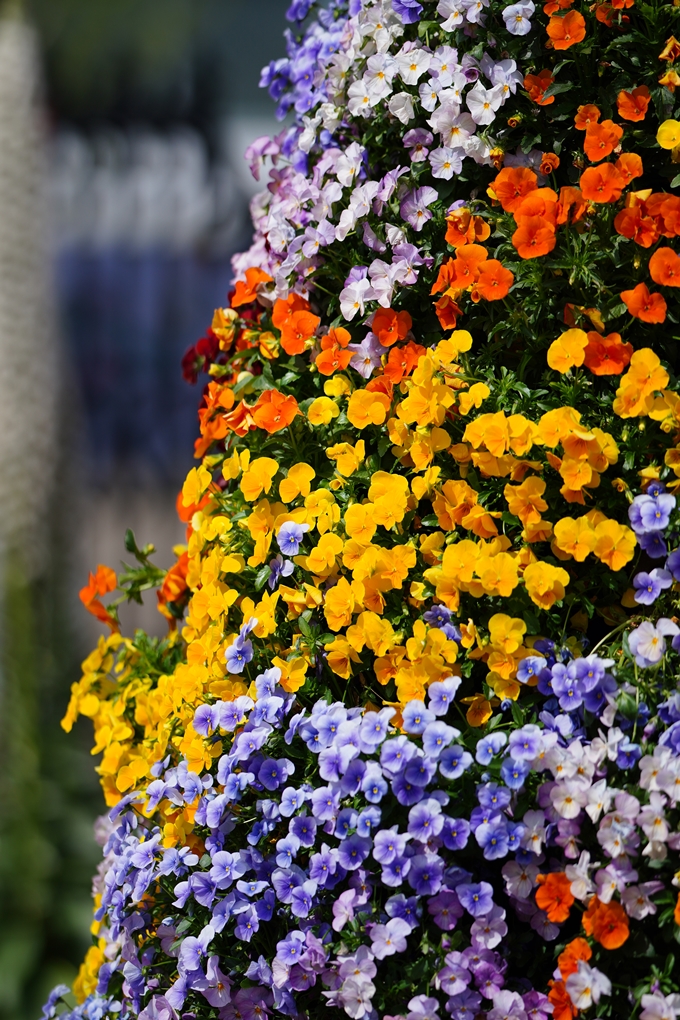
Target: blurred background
123	195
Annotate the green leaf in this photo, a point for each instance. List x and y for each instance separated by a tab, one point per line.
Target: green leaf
262	576
517	713
558	87
305	629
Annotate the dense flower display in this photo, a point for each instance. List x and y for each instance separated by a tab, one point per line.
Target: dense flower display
411	748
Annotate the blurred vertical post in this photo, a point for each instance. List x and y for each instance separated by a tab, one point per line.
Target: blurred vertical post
28	386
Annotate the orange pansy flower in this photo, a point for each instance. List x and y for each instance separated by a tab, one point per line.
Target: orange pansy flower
534	237
274	411
633	105
333	356
541	202
284	308
629	166
390	326
566	31
567	961
174	586
549	162
402	361
606	922
643	305
447	312
466	265
563	1008
633	223
464	228
604	12
671	50
554	895
586	115
664	267
297	330
556	5
601	183
512	185
607	355
571	206
601	139
537	85
494	281
245	291
100	583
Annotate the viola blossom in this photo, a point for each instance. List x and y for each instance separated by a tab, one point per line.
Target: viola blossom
647	642
290	536
414	207
587	986
354	295
417	142
517	17
445	162
408	10
648	586
367	355
279	568
657	1006
484	103
240	652
651	513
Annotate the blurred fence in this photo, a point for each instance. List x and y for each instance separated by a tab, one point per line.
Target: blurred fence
144	227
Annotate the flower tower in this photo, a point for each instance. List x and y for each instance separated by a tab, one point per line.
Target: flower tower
411	748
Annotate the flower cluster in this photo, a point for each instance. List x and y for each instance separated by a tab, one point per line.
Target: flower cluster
358	846
411	748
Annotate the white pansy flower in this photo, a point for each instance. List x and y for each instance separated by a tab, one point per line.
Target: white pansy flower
567	798
429	94
474	11
331	116
505	72
517	18
401	107
659	1006
453	12
380	70
349	164
359	101
520	879
636	901
308	136
353	298
446	162
587	985
413	65
338	71
444	64
395	235
483	103
581	885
